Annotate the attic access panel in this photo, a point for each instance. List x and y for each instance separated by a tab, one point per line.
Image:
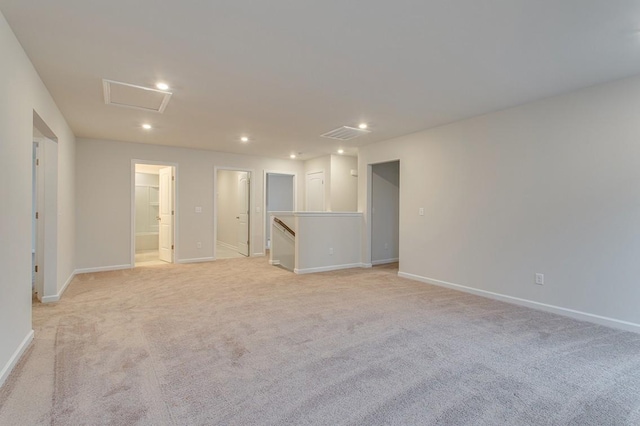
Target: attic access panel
137	97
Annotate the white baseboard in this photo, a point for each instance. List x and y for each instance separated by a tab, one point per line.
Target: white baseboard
227	245
196	260
384	261
6	370
57	297
329	268
103	269
583	316
258	254
366	265
274	262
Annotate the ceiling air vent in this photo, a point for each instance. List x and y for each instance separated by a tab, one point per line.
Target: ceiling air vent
137	97
345	133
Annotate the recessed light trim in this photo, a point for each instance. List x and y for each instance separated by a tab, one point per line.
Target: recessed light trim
162	86
292	156
363	126
341	151
244	139
146	126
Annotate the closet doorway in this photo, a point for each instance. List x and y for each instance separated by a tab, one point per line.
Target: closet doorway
154	214
232	213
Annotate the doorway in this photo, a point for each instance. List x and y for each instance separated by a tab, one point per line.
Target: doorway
315	191
385	212
44	219
279	197
233	213
154	214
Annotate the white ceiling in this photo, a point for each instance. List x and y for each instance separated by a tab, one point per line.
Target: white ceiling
285	71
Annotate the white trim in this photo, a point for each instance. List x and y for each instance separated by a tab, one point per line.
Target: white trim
58	296
384	261
579	315
252	177
265	214
175	197
327	214
227	245
103	269
259	254
196	260
6	370
274	262
329	268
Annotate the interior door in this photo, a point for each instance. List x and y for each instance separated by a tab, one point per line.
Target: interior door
243	213
165	216
315	191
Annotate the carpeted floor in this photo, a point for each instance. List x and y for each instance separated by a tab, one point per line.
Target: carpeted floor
239	342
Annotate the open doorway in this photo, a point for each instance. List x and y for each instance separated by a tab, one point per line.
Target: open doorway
233	213
44	219
154	214
385	212
279	197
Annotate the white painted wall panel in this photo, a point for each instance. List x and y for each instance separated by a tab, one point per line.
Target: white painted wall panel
549	187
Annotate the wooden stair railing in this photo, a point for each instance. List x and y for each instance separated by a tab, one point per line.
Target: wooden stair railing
284	225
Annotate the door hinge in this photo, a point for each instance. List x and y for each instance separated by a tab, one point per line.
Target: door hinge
36	268
37	215
173	178
37	161
171	246
172	212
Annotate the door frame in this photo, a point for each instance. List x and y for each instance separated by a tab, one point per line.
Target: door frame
324	190
175	227
264	198
47	206
251	204
369	203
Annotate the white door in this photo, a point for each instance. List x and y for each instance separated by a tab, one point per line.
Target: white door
165	217
315	192
243	213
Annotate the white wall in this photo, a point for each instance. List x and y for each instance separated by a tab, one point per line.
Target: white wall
385	225
344	187
22	92
340	188
104	186
327	241
550	187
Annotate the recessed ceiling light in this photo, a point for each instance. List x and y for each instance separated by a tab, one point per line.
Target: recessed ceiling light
363	126
341	151
244	139
146	126
162	86
292	156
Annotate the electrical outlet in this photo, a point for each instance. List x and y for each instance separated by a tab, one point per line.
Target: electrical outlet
198	244
386	246
331	250
198	209
540	279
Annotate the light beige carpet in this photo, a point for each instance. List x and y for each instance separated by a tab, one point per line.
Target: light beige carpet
239	342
